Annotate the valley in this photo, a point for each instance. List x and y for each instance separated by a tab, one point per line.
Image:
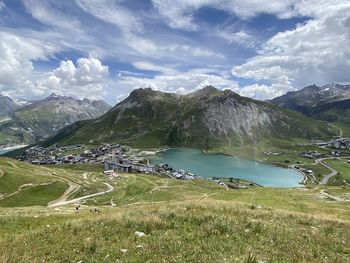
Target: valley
61	203
178	178
171	131
168	211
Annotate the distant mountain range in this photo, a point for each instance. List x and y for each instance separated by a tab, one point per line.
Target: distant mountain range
330	102
206	118
27	122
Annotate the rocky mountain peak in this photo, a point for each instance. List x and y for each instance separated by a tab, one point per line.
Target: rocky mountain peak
7	104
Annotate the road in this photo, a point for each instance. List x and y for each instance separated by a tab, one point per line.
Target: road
76	200
327	176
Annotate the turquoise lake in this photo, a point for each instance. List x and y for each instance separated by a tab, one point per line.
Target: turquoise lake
194	161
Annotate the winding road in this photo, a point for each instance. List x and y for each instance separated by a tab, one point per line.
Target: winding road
327	176
333	171
60	203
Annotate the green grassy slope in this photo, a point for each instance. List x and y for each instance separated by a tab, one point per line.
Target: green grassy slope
184	221
206	231
343	168
35	195
22	184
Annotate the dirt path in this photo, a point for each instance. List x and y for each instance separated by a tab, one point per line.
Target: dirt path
340	129
2	173
338	199
71	189
76	200
12	164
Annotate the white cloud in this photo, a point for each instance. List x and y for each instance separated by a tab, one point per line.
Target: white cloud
16	67
134	41
18	77
241	37
179	83
315	52
179	14
143	65
86	80
49	13
112	12
2	5
261	92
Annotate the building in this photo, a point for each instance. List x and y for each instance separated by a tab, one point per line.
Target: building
312	154
342	143
125	168
119	163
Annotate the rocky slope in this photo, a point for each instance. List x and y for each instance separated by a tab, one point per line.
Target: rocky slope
206	118
7	105
44	118
330	102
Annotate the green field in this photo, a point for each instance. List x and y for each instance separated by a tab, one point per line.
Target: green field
343	168
184	221
22	184
190	231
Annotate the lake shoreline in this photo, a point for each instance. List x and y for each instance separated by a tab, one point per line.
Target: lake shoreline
7	148
302	183
241	168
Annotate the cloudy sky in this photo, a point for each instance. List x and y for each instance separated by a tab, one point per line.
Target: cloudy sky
106	48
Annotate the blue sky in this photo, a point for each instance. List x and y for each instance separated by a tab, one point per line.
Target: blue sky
106	48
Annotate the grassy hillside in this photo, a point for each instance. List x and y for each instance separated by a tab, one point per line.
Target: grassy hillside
22	184
338	111
343	168
184	221
190	231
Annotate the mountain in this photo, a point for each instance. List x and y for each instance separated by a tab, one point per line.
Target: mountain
206	118
7	105
23	102
330	102
43	118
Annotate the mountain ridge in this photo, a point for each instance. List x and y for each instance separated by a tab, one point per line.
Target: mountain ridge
7	105
43	118
206	118
330	102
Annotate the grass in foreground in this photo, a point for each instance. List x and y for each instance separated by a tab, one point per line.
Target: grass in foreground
206	231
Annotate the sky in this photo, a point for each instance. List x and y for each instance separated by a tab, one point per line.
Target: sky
103	49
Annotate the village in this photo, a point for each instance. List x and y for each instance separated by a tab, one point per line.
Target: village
114	158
